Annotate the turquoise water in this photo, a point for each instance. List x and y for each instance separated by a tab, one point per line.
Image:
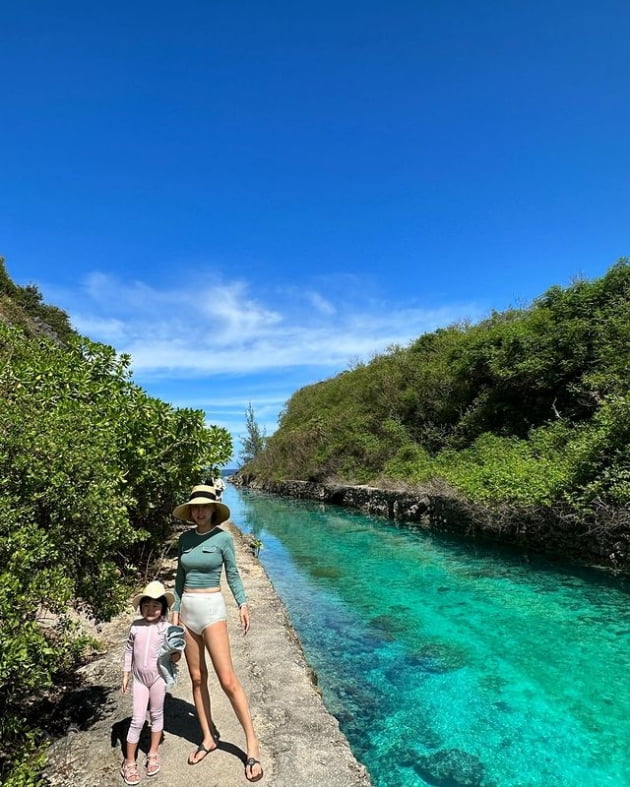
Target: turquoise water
448	663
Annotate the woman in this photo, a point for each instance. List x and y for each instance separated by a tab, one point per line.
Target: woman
200	607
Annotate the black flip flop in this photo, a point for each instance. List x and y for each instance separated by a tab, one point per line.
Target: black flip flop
249	763
200	748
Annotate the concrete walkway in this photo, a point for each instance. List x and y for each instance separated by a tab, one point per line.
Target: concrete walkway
301	744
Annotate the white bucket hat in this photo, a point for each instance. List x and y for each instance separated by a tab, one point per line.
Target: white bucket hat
154	590
200	496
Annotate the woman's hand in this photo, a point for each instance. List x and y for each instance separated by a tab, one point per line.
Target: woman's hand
243	614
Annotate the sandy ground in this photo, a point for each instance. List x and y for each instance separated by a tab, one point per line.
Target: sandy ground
301	744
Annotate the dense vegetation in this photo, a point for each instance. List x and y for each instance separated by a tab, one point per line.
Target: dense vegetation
528	410
89	468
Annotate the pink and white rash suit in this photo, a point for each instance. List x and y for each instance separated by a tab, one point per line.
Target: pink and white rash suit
140	657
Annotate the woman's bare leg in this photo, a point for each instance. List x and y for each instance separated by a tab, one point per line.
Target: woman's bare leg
218	645
196	660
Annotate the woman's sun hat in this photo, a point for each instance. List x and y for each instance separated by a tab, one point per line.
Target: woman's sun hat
200	496
154	590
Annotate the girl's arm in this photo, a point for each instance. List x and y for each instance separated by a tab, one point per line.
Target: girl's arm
127	660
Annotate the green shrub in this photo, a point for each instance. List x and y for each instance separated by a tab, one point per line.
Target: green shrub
503	469
89	469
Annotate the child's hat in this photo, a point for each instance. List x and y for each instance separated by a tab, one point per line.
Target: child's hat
154	590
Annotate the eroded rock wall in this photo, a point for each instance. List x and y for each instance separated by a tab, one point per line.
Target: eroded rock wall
544	531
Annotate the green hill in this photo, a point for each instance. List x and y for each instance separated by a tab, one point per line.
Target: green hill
525	414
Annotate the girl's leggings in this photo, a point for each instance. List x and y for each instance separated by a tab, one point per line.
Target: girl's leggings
151	697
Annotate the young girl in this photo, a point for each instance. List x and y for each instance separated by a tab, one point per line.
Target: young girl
145	644
199	605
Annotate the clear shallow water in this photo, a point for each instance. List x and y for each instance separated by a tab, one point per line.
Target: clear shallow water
448	663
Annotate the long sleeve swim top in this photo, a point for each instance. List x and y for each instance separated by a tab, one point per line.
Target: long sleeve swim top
142	647
200	560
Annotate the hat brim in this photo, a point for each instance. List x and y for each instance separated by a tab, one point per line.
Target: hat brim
170	599
222	512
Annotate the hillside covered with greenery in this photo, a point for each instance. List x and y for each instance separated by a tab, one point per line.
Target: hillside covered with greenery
525	414
89	468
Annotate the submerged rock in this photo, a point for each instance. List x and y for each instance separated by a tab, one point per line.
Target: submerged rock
439	657
451	768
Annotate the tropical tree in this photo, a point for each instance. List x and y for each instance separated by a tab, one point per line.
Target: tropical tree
254	441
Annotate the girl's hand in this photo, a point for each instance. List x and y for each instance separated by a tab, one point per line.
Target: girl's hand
175	656
243	614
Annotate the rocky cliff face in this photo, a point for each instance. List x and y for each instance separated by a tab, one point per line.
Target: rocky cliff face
542	530
368	499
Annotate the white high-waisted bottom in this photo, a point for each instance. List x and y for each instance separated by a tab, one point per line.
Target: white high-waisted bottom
199	610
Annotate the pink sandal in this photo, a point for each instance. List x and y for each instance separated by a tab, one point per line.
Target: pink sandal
129	772
152	764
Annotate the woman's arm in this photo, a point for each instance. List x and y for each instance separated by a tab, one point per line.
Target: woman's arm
231	570
235	582
180	581
243	615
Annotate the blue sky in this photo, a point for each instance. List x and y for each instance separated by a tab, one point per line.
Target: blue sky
249	197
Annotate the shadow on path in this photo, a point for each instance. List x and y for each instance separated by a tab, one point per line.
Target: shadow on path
179	721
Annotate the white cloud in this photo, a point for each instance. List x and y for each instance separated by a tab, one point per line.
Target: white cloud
219	346
222	328
321	304
109	331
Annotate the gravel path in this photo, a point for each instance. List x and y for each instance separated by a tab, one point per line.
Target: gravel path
301	744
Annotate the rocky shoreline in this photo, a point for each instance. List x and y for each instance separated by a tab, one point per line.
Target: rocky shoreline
544	531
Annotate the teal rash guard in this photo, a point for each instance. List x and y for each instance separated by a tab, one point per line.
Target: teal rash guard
200	560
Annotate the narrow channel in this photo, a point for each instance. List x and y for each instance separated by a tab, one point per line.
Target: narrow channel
447	662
